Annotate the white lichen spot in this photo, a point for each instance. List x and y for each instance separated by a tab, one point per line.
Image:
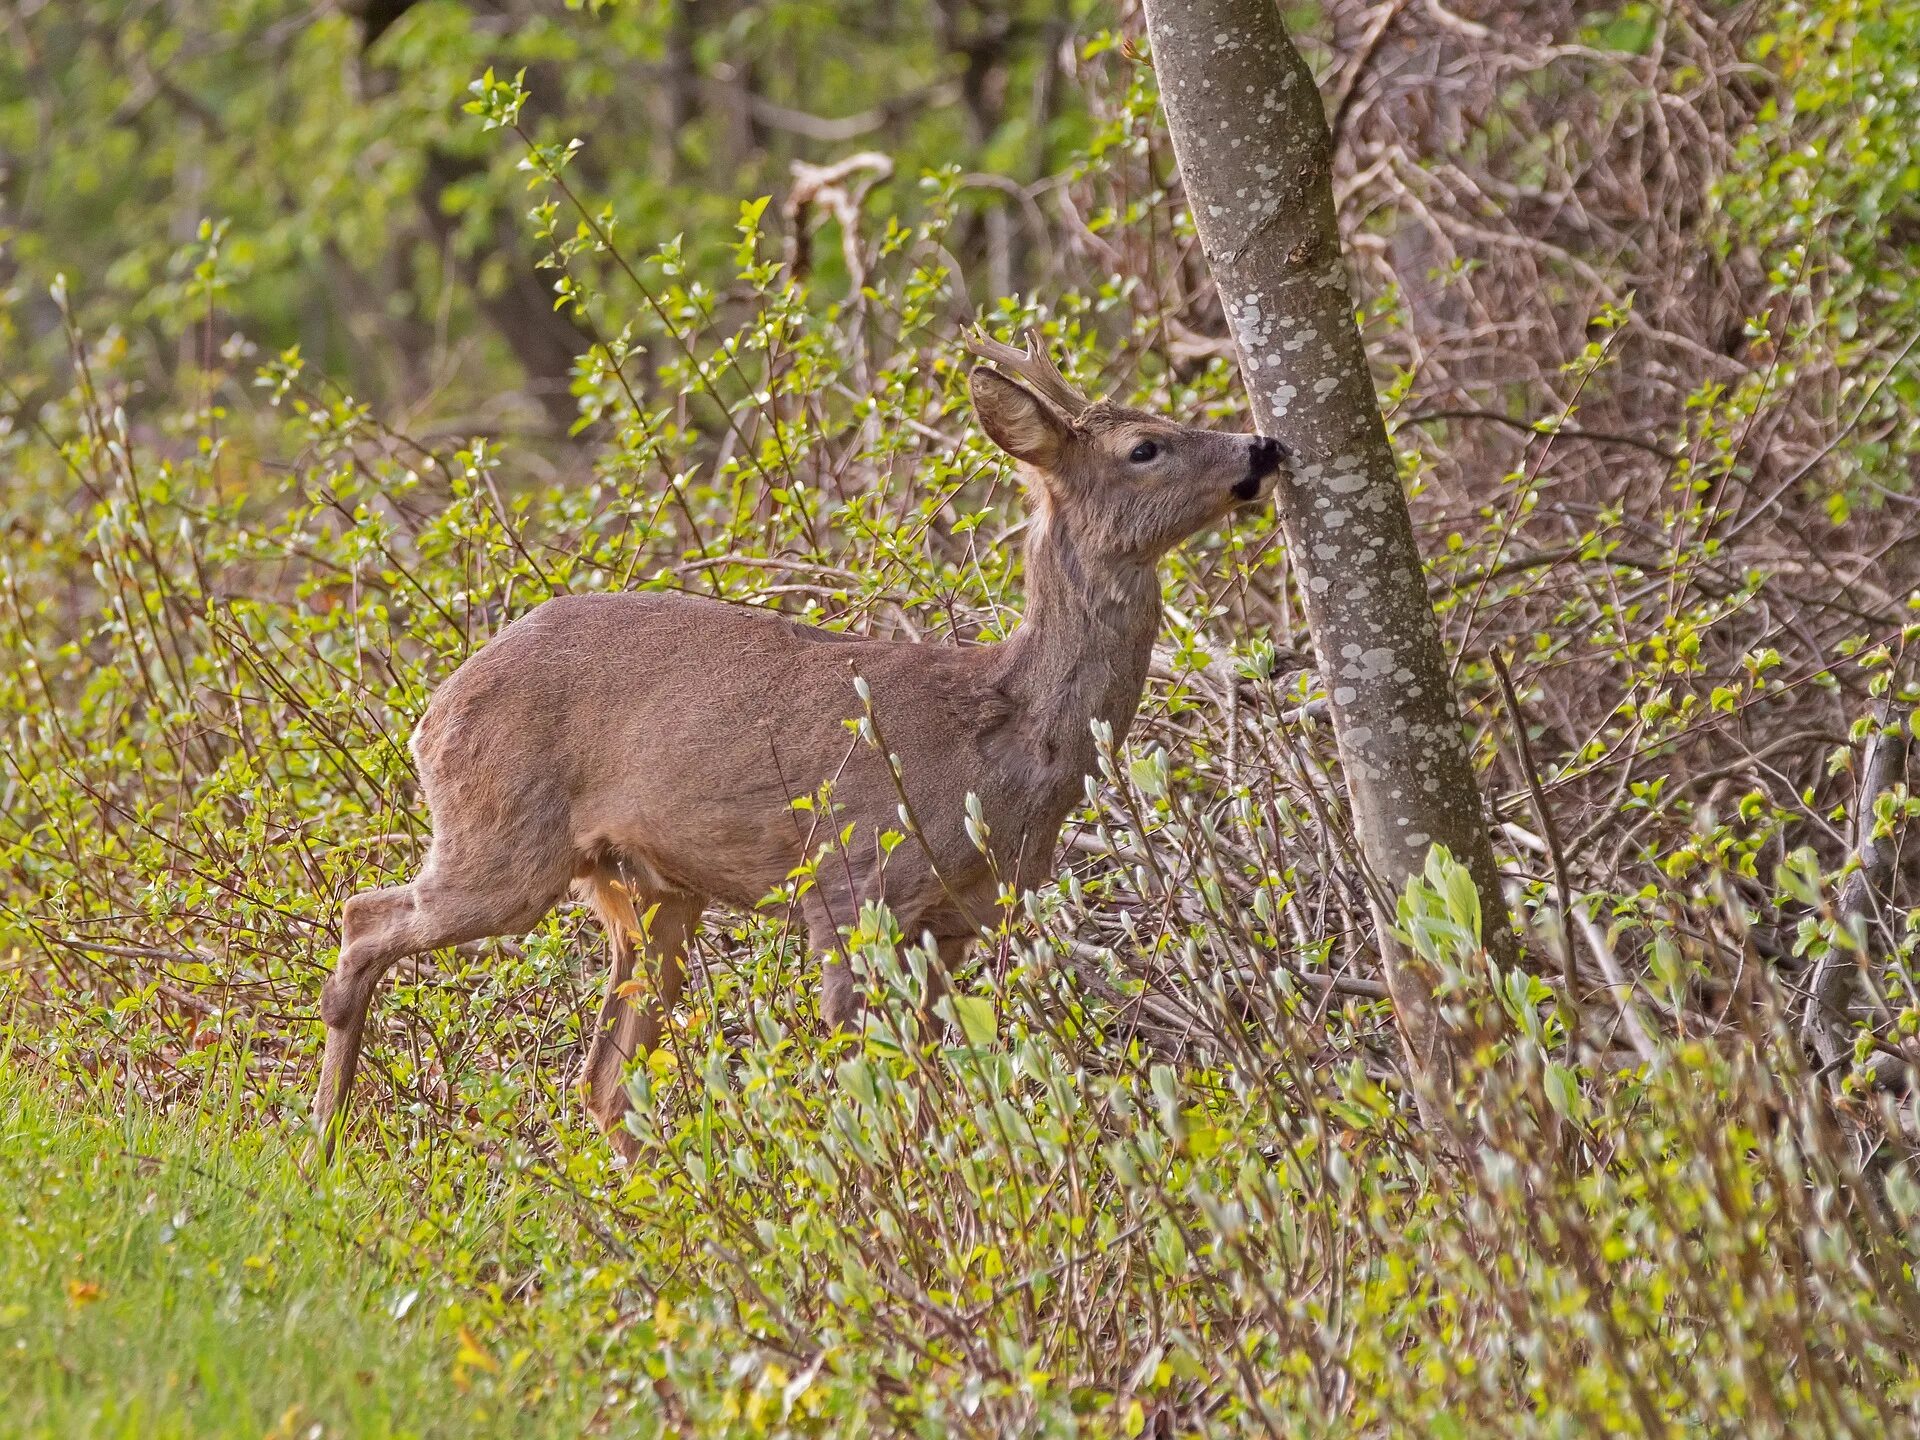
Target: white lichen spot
1345	695
1366	664
1325	386
1348	475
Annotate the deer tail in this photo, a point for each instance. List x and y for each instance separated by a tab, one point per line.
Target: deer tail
613	905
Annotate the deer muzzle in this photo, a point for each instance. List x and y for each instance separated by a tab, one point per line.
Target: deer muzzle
1265	456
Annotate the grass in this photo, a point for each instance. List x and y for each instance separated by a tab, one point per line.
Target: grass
183	1277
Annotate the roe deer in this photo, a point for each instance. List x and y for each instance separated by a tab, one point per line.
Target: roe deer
649	747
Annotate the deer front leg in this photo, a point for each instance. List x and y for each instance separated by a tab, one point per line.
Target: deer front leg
840	998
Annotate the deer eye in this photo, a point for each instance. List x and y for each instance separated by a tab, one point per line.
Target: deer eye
1143	452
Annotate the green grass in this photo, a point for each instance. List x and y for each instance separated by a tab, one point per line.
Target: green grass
168	1279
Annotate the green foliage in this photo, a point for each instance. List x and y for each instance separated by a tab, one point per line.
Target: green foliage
1829	191
1048	1233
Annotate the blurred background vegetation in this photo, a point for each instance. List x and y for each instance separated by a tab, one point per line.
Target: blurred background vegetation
290	421
370	222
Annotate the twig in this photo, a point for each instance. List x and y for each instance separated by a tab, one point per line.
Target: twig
1530	772
1884	767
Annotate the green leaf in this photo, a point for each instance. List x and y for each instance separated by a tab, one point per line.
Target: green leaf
974	1015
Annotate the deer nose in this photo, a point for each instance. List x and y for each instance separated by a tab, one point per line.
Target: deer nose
1267	455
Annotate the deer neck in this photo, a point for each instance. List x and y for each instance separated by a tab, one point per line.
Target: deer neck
1082	652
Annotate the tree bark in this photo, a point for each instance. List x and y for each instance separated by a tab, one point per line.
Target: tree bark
1256	157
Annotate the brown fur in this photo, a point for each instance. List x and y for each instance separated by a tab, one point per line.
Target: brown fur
649	746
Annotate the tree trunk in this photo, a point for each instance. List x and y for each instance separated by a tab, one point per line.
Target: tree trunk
544	340
1256	158
678	98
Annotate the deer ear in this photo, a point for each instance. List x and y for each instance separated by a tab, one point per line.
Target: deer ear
1017	420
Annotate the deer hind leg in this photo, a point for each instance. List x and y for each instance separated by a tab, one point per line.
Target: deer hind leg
445	906
655	928
951	952
839	998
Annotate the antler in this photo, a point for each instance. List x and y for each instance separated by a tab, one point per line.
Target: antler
1032	365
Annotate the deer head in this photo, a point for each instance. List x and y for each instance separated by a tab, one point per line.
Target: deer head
1126	485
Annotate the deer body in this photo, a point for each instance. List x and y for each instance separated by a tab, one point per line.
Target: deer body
688	778
649	748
